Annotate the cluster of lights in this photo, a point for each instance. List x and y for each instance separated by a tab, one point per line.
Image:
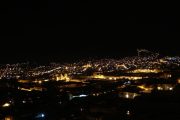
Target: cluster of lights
146	71
128	95
99	76
141	64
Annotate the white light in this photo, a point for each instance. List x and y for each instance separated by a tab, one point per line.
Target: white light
127	95
42	115
46	80
128	112
6	105
170	88
159	88
82	95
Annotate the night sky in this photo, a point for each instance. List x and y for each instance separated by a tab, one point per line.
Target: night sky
62	31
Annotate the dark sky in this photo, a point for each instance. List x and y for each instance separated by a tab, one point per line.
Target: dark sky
63	30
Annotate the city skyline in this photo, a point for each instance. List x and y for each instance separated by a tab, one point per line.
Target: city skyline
91	89
86	60
63	54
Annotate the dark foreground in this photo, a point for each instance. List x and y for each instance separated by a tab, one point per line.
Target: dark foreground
93	101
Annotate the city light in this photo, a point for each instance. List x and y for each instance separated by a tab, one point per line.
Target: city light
92	88
82	95
6	105
146	71
128	112
40	115
8	118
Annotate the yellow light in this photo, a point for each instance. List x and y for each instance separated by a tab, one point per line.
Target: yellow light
143	87
23	81
170	88
87	66
159	88
127	95
178	80
8	118
24	89
99	76
39	82
63	77
6	105
145	71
